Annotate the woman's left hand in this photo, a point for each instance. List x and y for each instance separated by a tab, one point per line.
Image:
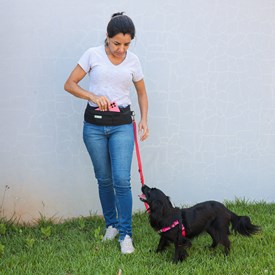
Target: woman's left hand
143	130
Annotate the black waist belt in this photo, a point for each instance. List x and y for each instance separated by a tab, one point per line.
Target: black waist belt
107	118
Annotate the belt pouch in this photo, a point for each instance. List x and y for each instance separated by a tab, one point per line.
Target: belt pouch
107	118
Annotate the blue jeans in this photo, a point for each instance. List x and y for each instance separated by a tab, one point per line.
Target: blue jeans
111	152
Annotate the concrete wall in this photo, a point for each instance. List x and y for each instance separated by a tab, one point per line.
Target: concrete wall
209	68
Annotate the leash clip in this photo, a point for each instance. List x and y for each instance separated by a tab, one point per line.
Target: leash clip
133	115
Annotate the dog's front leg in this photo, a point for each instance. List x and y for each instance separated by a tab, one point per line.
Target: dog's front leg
180	253
163	243
177	253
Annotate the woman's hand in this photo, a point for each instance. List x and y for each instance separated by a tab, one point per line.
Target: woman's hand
143	130
102	102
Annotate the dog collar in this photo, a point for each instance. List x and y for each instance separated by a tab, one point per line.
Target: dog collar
174	224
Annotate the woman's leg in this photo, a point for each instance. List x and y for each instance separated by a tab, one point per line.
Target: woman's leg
96	139
121	145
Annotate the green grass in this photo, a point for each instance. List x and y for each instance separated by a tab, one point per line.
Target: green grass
75	247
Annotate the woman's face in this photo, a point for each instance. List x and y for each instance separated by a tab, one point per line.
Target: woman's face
119	44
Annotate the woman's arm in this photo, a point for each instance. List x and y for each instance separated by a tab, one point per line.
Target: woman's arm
143	106
71	86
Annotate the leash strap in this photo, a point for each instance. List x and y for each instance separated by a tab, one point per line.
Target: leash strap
138	156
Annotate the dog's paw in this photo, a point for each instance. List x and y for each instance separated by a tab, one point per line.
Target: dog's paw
183	255
159	250
180	256
179	259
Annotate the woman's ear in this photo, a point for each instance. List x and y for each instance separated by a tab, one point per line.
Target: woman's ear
107	40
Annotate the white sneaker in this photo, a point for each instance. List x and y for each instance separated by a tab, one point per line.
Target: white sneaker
126	245
110	234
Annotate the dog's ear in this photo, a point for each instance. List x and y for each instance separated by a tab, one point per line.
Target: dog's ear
156	214
156	206
159	208
161	204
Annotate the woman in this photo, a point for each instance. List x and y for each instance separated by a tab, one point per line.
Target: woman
108	130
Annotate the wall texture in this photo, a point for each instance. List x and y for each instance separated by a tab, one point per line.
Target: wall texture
210	74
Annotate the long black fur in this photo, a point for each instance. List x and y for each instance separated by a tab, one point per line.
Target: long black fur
210	216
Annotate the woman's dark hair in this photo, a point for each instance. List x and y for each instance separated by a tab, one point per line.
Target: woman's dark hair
121	23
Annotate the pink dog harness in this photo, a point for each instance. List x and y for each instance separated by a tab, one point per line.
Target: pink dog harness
174	224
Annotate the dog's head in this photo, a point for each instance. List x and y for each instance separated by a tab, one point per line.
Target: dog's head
156	199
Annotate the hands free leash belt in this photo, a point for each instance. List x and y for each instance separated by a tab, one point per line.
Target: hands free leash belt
108	118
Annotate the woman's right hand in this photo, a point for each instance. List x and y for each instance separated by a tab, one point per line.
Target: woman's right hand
102	102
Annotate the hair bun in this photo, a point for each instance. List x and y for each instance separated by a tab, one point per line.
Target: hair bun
118	14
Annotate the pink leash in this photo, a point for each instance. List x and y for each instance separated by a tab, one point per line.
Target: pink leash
175	223
138	157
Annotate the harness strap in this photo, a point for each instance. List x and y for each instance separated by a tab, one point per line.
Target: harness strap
174	224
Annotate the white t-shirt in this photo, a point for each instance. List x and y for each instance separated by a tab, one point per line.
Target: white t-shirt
107	79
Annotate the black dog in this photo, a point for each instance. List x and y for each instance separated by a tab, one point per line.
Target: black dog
180	225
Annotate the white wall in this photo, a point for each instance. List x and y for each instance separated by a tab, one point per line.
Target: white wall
209	69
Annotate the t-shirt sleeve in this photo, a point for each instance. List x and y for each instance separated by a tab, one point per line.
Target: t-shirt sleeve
138	73
85	61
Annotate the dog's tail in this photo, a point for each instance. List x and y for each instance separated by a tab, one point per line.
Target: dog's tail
243	225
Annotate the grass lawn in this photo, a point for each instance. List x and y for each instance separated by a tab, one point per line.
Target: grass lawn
75	247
